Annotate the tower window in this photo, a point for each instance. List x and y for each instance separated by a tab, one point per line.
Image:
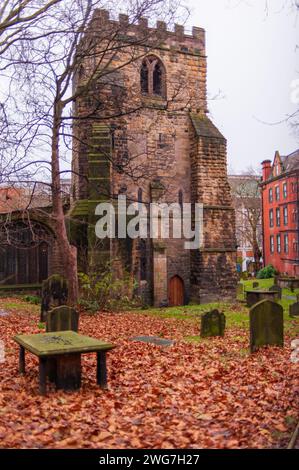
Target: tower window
152	77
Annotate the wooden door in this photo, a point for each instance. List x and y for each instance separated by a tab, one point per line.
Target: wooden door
176	291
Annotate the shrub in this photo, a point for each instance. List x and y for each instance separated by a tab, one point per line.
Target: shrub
32	299
101	291
267	272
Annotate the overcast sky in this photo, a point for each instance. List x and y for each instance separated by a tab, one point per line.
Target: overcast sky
252	59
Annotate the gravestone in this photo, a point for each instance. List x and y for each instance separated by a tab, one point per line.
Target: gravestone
212	324
54	294
266	325
62	318
276	289
294	310
240	290
255	285
153	340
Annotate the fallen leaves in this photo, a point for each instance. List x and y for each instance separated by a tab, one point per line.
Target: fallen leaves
186	396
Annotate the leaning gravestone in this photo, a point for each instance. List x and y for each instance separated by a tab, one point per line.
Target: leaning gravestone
212	324
255	285
54	294
294	310
276	289
266	325
62	318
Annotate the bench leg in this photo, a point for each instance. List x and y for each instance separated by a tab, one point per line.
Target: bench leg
102	369
42	375
22	360
68	371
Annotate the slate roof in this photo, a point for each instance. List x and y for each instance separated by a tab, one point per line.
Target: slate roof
291	162
204	127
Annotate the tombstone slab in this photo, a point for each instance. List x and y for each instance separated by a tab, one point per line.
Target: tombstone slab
266	325
294	310
212	324
62	318
153	340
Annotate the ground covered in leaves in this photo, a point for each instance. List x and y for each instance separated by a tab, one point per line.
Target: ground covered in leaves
207	394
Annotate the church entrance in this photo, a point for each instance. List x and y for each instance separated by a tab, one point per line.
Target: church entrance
176	291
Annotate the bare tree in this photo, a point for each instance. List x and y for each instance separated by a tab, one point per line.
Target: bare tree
41	88
248	207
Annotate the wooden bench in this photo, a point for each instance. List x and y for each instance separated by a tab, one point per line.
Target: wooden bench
64	349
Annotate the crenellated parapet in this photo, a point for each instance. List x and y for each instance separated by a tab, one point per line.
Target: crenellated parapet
178	39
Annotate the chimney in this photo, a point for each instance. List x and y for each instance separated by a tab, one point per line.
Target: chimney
267	168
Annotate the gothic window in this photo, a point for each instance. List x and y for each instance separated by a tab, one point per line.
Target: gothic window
157	79
152	77
139	195
144	78
181	198
143	260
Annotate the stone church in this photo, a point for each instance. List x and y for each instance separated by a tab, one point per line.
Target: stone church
153	142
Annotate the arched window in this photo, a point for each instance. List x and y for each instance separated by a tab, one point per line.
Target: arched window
157	79
152	77
144	78
181	198
139	197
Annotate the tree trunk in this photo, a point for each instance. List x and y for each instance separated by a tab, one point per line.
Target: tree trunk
68	252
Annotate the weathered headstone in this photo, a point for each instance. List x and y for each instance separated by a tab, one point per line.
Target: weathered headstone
276	289
294	310
240	290
54	294
255	285
153	340
62	318
212	324
266	325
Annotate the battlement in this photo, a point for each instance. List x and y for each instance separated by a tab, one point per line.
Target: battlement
193	42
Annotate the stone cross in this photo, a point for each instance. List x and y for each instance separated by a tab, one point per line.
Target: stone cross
266	325
212	324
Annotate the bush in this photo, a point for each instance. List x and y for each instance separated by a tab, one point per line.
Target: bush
100	291
267	273
32	299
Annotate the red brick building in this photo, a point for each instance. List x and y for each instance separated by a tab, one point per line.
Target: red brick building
280	199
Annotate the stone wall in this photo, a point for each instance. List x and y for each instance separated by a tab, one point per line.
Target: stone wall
163	148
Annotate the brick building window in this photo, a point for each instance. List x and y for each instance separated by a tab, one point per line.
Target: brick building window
277	193
285	190
295	247
271	218
286	243
270	195
294	215
285	216
272	244
278	217
152	77
278	240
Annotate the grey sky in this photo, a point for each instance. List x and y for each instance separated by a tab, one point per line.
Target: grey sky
252	59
